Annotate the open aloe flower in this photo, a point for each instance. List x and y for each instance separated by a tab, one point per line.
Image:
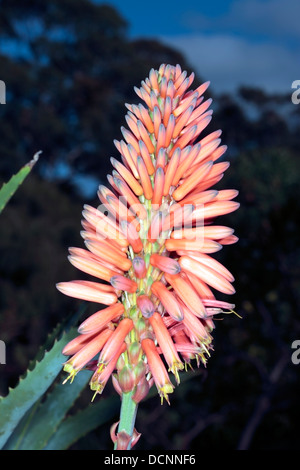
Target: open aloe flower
149	245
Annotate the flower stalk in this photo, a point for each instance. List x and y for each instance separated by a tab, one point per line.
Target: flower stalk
127	418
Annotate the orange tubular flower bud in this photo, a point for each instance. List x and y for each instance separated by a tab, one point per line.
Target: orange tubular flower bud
200	287
158	370
145	137
144	178
128	177
100	377
205	273
217	232
145	305
156	226
186	160
105	227
210	262
108	254
139	267
130	197
195	328
99	319
198	198
90	266
161	159
144	152
115	341
166	344
161	139
159	181
91	291
171	170
78	343
184	139
230	240
130	139
178	217
190	183
227	194
127	155
206	150
132	236
201	245
168	300
182	121
119	208
199	111
166	264
145	118
187	294
123	283
86	353
214	209
131	121
169	122
89	256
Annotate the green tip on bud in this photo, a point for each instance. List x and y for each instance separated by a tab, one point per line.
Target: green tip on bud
142	329
134	352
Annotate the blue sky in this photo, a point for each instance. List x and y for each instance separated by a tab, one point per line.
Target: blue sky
229	42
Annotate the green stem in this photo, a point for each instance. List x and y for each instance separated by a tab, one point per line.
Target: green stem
127	414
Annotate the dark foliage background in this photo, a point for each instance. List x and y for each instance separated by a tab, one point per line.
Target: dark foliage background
67	82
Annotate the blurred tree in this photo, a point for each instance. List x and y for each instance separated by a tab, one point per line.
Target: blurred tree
37	227
68	82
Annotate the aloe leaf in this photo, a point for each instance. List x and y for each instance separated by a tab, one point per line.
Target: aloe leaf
8	189
68	322
31	387
76	426
16	437
44	420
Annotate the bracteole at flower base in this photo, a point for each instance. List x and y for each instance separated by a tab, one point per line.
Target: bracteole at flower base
149	246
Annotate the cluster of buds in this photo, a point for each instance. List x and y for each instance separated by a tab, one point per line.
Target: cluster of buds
150	243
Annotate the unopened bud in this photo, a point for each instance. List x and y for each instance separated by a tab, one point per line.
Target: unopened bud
146	306
139	371
142	390
139	267
120	282
116	384
140	326
120	363
134	351
126	379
